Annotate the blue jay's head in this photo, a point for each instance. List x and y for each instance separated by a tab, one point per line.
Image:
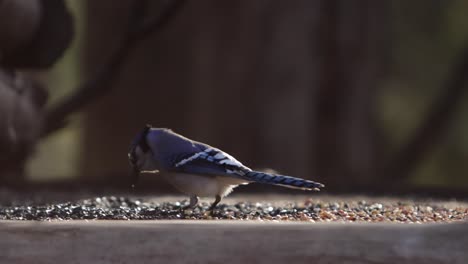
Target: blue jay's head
155	149
139	153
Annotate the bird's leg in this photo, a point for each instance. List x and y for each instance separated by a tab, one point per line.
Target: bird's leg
193	202
216	202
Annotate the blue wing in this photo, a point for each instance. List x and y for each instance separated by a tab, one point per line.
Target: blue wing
212	161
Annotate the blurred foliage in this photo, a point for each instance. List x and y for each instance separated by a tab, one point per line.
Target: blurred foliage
427	37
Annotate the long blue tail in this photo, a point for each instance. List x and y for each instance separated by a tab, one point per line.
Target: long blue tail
282	180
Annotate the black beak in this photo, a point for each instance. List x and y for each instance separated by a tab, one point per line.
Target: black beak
135	176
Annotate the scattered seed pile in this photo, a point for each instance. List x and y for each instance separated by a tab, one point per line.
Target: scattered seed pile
122	208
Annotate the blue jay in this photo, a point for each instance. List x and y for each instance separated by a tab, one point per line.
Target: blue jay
198	169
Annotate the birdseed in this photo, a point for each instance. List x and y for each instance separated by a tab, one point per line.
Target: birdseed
306	210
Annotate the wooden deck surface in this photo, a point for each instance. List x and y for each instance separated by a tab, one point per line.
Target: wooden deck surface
184	241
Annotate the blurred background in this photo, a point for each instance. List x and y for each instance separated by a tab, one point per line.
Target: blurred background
362	95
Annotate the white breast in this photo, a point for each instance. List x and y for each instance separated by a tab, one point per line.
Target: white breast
201	185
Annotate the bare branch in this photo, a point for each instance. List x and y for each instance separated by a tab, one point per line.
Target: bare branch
101	82
434	127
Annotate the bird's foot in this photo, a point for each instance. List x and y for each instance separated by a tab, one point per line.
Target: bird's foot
213	206
188	209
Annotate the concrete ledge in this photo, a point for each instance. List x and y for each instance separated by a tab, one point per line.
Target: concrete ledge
230	242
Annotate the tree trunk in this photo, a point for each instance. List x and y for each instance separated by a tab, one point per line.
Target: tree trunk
351	57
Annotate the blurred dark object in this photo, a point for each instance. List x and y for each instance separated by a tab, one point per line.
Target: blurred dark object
21	104
19	21
33	34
